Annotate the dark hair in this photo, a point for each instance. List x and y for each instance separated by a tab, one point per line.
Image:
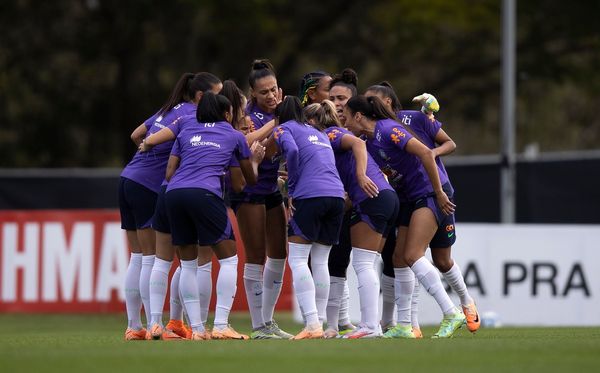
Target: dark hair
375	109
235	95
371	107
386	89
348	79
186	88
212	108
310	80
290	109
260	69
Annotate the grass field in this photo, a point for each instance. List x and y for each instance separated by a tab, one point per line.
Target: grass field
94	343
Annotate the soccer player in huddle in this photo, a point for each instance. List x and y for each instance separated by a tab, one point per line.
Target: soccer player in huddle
202	152
429	131
317	201
411	168
141	195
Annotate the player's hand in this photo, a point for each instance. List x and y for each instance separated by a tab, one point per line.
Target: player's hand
367	185
444	203
258	152
143	147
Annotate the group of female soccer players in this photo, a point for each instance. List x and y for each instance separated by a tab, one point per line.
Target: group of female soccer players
364	179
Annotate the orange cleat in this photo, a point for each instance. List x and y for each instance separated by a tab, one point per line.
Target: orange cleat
156	332
418	333
179	328
148	336
135	335
309	333
228	333
473	321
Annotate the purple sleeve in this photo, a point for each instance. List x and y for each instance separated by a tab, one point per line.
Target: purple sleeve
234	162
397	136
431	128
175	126
176	149
150	121
289	148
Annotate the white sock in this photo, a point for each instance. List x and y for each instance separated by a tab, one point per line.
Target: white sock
368	286
226	289
204	280
404	283
304	285
414	306
253	284
175	306
189	293
147	264
273	280
388	316
133	299
336	292
456	281
319	258
430	279
344	317
159	282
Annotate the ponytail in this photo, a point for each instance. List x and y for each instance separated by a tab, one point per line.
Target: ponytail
385	88
186	88
234	94
178	94
324	115
371	107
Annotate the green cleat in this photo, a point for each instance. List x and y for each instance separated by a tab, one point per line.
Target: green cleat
345	329
263	333
400	331
273	328
450	324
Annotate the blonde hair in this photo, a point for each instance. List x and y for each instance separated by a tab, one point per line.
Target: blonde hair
324	115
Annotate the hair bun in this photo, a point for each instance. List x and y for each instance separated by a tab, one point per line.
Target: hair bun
262	64
385	83
349	76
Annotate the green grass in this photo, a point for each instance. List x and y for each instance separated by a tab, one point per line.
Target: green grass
94	343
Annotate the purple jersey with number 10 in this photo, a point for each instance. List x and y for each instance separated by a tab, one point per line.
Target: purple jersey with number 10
310	161
346	166
404	170
205	151
149	168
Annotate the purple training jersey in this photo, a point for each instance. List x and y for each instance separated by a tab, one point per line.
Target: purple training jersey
149	168
205	150
310	161
268	168
404	170
346	166
425	129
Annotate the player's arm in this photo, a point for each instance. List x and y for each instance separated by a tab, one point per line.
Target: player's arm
138	134
262	133
445	144
160	137
415	147
172	166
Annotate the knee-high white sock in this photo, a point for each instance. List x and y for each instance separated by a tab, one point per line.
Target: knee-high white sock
388	306
253	284
204	280
147	264
344	317
159	282
175	306
430	279
414	306
404	283
304	285
368	285
319	257
226	289
336	292
189	293
273	280
456	281
133	299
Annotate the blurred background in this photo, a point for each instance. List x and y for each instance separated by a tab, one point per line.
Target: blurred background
76	77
